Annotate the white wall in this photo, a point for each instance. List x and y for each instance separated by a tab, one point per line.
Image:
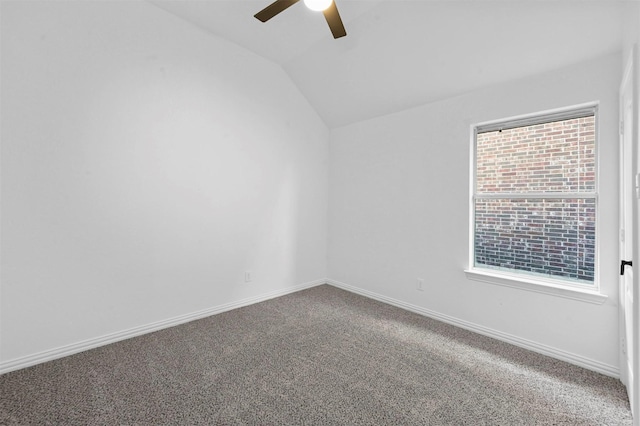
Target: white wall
145	166
630	29
399	205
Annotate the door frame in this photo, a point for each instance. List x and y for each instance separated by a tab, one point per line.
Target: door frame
630	206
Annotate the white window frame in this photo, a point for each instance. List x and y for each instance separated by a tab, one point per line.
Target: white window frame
547	285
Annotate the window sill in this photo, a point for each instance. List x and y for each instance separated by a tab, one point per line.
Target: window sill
537	286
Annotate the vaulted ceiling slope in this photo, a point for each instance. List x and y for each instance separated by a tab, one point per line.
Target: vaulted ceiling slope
399	54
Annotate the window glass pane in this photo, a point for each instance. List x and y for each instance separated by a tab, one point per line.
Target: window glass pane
550	237
553	157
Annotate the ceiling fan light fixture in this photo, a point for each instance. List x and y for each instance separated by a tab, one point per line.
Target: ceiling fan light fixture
328	8
318	5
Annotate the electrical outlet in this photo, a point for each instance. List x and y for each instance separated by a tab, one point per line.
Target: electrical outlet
247	276
420	284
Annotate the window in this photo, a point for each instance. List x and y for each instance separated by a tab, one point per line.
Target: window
534	203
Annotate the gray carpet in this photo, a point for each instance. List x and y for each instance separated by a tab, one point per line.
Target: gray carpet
322	356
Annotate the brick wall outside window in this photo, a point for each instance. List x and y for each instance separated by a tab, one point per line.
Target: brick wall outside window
553	236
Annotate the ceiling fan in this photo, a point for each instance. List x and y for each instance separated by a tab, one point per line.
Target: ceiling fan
328	8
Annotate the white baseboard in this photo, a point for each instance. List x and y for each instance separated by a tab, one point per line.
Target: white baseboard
49	355
560	354
66	350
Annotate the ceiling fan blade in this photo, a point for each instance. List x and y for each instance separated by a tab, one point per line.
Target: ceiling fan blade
335	22
274	8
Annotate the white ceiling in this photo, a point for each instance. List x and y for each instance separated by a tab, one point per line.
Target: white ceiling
398	54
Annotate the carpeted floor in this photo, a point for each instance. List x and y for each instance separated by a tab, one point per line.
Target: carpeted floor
322	356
